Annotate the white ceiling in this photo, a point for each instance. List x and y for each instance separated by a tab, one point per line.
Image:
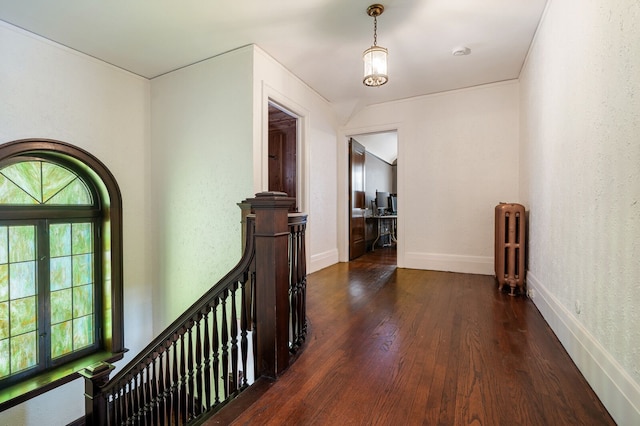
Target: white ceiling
383	145
320	41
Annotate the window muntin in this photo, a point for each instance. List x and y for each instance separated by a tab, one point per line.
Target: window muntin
49	291
71	287
42	182
18	300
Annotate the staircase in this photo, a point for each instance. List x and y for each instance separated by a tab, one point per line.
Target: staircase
249	325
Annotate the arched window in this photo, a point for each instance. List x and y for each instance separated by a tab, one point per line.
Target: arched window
60	263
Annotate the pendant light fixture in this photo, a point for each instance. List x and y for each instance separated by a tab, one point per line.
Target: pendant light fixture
375	58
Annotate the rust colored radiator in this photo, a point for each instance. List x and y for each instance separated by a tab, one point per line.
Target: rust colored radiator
510	247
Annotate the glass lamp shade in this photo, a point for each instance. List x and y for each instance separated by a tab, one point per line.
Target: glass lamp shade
375	66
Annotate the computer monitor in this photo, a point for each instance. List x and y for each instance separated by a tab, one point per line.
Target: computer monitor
382	202
393	199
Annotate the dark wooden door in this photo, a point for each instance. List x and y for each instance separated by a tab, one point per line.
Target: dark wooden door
282	153
357	240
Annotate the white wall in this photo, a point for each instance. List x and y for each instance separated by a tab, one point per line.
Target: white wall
457	159
580	103
201	166
318	154
48	91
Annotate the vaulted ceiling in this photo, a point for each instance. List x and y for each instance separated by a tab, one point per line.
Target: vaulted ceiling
320	41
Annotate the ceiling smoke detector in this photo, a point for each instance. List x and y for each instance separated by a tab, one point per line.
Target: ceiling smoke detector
461	51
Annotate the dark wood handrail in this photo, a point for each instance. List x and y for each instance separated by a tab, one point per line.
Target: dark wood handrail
205	357
178	327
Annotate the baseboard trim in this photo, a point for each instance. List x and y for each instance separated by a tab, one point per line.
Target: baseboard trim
322	260
449	262
619	393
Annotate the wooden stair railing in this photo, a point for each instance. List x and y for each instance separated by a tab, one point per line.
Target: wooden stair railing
231	336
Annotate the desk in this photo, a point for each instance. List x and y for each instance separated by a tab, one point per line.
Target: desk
386	226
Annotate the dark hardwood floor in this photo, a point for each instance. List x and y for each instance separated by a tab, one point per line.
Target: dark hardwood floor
390	346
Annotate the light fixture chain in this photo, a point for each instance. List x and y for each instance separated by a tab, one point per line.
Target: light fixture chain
375	30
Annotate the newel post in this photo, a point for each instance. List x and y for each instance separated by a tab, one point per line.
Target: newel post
95	404
272	281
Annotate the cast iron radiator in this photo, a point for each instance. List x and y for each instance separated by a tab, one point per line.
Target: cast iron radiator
510	247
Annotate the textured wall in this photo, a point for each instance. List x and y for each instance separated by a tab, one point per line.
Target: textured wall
580	133
49	91
201	158
457	159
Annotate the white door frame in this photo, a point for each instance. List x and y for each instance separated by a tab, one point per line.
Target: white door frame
343	186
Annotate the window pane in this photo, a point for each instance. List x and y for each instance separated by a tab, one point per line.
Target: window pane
24	353
82	300
61	339
22	243
54	179
4	321
5	367
4	245
82	332
26	175
60	273
82	238
4	283
76	193
22	279
61	306
23	316
60	239
10	193
82	269
40	182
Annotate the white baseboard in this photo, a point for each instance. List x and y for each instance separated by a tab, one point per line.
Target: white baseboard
449	262
322	260
619	393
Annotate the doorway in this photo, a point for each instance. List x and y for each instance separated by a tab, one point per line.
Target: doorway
282	153
372	172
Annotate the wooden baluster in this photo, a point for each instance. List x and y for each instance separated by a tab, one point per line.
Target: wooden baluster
302	280
167	384
293	264
140	392
190	373
198	369
123	403
161	400
144	412
244	325
299	283
234	335
154	393
111	408
216	352
183	382
207	362
225	344
234	339
117	407
175	382
130	399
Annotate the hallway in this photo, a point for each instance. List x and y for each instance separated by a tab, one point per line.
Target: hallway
391	346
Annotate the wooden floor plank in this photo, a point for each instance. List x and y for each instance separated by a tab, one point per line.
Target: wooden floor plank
390	346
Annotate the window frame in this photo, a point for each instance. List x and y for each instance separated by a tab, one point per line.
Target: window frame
108	203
